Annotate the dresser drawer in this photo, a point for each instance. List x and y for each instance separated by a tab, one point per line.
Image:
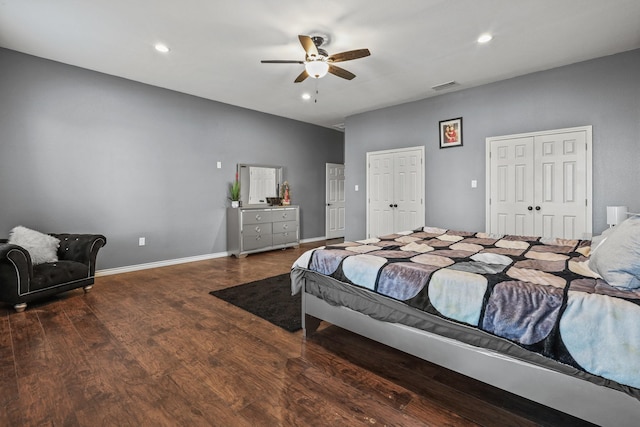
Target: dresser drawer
256	229
259	241
256	216
287	214
281	227
285	238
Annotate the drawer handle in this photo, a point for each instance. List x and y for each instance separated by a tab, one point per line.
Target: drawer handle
258	237
257	229
285	226
284	215
258	217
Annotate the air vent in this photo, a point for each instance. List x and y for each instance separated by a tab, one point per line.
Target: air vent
446	85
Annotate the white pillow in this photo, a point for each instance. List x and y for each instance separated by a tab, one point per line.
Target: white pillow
41	247
617	258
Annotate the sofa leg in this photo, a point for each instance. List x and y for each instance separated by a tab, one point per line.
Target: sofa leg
87	288
20	307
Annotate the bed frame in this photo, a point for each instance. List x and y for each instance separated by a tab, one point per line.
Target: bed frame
580	398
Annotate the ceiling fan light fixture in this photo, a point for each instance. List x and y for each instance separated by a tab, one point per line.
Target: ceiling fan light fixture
316	69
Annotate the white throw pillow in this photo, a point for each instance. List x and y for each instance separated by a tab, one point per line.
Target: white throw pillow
41	247
617	258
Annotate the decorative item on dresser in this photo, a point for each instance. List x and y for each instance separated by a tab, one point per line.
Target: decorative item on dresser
234	193
252	229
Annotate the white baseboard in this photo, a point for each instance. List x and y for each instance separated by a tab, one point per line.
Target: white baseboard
156	264
165	263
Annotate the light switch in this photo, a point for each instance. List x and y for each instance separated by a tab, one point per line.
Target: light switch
474	183
357	188
219	165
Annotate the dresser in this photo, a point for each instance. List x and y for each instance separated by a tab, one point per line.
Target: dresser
252	230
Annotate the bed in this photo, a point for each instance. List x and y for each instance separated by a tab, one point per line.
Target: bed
553	320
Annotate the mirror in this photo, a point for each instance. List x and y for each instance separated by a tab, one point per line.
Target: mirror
259	182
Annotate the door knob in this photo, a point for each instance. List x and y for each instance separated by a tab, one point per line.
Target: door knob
395	206
390	206
537	208
530	208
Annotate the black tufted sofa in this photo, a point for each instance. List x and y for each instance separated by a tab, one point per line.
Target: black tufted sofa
22	282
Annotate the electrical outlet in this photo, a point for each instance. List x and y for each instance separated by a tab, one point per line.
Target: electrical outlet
142	241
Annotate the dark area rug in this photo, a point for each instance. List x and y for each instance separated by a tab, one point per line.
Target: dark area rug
269	299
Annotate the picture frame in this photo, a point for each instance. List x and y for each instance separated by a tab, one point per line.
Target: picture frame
450	133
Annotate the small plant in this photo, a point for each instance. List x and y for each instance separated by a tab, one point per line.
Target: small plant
234	190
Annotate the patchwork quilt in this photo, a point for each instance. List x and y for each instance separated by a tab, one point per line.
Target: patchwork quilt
539	294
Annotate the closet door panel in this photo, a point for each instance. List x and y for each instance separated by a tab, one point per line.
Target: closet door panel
381	195
407	190
560	161
511	182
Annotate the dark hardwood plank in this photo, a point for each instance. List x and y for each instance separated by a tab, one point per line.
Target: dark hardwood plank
152	347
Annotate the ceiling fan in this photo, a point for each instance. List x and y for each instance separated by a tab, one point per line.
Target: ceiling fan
317	62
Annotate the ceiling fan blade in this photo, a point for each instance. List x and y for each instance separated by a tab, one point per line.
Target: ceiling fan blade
308	45
281	61
348	56
303	75
341	72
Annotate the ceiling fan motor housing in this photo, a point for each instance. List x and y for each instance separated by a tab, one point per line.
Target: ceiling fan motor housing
319	40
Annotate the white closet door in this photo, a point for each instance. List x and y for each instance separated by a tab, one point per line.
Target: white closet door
560	162
540	184
512	192
380	194
395	188
407	190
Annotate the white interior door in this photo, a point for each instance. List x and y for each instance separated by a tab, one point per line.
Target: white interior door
395	191
335	211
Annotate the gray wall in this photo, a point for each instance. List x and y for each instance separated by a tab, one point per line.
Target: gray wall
82	151
604	93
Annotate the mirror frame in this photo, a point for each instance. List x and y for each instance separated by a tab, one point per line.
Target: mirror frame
244	176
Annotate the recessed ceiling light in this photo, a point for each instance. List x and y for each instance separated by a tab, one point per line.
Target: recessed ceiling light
161	48
485	38
306	96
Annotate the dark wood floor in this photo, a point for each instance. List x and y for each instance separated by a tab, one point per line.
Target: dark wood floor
153	348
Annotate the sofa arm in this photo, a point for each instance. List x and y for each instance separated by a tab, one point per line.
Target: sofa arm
16	271
81	248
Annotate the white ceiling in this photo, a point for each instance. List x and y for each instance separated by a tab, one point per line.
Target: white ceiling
216	45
